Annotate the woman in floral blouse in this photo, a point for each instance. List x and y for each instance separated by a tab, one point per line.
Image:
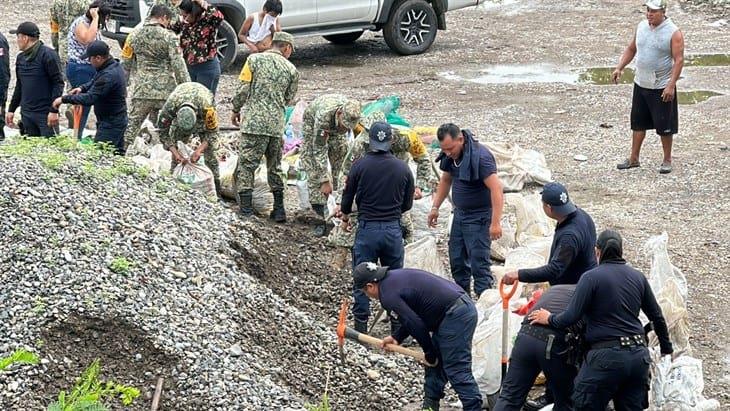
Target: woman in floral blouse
198	28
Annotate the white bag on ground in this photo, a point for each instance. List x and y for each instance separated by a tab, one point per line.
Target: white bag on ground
423	255
504	244
517	166
227	169
263	200
670	288
487	342
199	177
531	219
419	215
678	385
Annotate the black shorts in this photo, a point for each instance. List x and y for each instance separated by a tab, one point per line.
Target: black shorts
649	112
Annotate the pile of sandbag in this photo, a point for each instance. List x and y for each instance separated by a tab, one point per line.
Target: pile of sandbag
517	166
197	176
155	157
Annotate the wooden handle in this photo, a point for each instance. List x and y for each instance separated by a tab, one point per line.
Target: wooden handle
376	342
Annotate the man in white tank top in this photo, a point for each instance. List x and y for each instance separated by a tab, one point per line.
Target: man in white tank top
658	46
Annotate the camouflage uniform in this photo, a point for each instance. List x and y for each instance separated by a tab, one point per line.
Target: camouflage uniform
173	5
200	99
63	13
323	141
404	146
268	84
153	54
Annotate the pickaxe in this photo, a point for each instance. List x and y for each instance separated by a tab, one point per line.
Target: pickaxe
343	331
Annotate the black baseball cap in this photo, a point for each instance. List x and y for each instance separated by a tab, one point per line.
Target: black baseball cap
556	196
366	273
96	48
28	28
381	136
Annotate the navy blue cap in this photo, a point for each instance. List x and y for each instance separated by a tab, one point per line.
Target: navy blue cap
28	28
381	136
366	273
556	196
96	48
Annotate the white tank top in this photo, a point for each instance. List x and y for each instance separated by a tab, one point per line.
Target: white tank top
654	54
259	31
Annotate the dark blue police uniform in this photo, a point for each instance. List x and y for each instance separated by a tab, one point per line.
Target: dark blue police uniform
382	186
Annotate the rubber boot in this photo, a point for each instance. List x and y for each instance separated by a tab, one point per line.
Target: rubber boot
320	229
245	203
361	326
278	214
430	404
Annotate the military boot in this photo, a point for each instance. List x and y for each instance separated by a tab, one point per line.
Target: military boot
430	404
278	214
320	229
245	203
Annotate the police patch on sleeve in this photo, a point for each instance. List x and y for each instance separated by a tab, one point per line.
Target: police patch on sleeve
211	118
127	50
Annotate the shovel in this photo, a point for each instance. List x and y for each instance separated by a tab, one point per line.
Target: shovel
77	112
505	321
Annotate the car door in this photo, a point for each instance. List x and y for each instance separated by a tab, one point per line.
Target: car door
345	11
296	13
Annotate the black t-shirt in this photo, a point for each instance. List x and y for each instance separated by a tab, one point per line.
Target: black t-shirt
472	195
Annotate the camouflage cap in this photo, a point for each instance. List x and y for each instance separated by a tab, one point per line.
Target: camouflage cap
285	37
371	118
185	120
351	113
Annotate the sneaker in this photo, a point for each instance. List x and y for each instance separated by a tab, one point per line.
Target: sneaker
627	164
665	168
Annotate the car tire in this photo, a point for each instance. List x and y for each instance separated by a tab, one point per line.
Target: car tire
411	27
344	38
227	42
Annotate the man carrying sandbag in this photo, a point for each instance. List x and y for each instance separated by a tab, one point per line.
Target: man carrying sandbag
189	111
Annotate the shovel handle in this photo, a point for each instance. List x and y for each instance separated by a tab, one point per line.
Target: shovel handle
376	342
506	296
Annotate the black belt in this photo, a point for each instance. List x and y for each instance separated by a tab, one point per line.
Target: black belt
545	334
622	342
456	304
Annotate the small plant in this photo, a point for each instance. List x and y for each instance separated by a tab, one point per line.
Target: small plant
52	160
40	305
120	265
324	404
20	356
89	393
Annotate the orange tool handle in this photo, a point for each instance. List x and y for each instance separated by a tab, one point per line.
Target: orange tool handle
507	296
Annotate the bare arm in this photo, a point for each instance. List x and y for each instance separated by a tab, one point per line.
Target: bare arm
678	56
86	34
624	60
243	33
495	189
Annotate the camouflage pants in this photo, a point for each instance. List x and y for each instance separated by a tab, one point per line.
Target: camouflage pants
141	108
210	158
334	149
252	148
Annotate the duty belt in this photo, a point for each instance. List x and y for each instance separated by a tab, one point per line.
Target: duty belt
545	334
622	342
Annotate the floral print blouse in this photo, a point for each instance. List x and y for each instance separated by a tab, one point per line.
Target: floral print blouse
198	39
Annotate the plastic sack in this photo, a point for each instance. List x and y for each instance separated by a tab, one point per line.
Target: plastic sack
517	166
157	159
199	177
227	168
424	255
138	148
487	342
531	219
263	200
389	106
678	385
419	216
670	288
504	244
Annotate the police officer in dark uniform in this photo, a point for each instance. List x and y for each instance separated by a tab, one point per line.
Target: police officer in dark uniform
609	298
571	253
541	348
382	186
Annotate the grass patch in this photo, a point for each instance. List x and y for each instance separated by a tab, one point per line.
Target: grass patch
120	265
89	393
20	356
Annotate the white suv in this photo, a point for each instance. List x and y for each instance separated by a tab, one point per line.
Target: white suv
409	26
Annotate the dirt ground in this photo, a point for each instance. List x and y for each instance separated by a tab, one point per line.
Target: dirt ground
560	120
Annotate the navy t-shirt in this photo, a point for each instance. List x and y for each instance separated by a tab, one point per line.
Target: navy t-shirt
472	195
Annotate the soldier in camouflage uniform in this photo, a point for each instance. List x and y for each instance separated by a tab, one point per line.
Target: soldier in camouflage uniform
63	13
403	147
268	84
152	53
189	111
326	122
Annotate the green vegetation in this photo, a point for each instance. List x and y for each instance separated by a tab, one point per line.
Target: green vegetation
90	394
708	60
324	404
120	265
20	356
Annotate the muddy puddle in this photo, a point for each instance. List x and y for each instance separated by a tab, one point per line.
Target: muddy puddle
546	73
707	60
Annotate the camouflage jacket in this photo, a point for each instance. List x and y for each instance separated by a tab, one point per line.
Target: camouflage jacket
269	83
201	100
319	117
152	53
174	7
63	13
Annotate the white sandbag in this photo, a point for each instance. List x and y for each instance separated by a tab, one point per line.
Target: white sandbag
419	215
539	245
227	168
423	255
487	341
138	148
517	166
504	244
157	159
199	177
263	200
678	385
531	219
670	288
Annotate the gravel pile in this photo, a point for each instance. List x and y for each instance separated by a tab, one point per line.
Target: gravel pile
101	260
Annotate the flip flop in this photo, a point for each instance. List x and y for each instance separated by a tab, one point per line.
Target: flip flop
665	168
627	164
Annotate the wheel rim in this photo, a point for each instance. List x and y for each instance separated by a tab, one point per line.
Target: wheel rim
221	44
413	26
